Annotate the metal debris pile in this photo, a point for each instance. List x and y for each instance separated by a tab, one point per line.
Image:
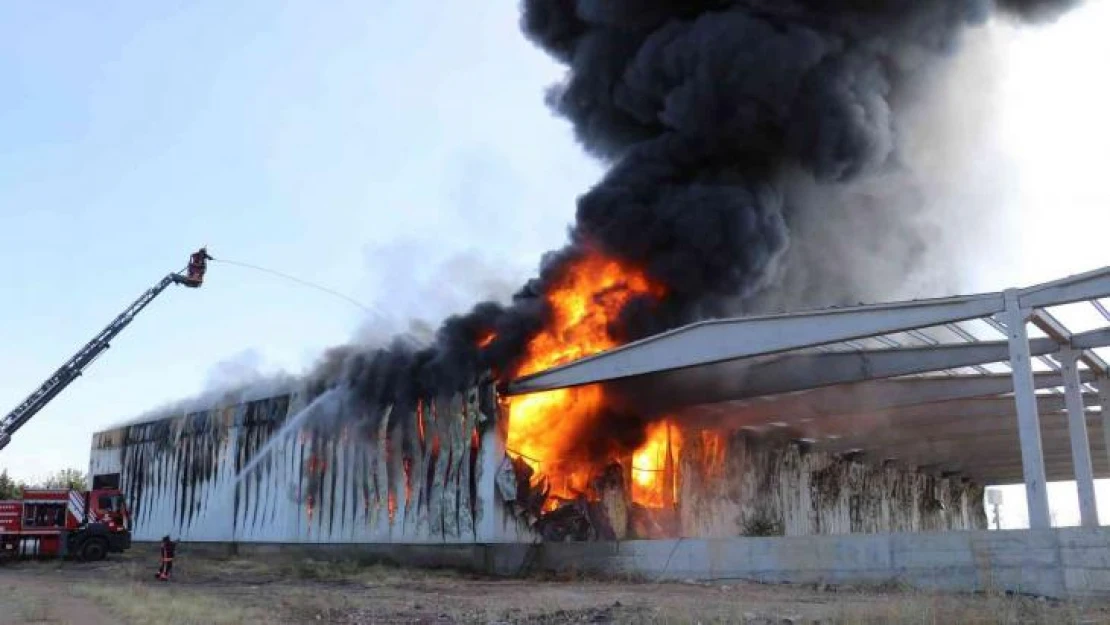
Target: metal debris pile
605	512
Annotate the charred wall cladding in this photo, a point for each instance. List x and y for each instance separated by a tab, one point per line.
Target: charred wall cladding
179	475
780	489
453	483
727	484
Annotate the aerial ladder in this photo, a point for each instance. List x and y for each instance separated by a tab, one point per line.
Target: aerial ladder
192	277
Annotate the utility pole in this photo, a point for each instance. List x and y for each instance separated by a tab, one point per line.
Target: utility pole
994	498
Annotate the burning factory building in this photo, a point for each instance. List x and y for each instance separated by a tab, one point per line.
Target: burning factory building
320	464
752	145
446	471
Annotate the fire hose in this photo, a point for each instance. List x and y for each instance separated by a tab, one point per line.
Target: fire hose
319	287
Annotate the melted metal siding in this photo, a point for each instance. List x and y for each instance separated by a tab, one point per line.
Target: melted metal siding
388	483
732	484
426	474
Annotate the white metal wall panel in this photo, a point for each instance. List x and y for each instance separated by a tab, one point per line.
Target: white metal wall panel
181	476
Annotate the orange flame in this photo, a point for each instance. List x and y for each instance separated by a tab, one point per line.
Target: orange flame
487	339
420	420
654	467
713	454
545	428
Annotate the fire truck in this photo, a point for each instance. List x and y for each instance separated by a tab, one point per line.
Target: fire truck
64	523
68	523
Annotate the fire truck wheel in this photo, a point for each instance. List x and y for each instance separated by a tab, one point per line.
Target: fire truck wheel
93	550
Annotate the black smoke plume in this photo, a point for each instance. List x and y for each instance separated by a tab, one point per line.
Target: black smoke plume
725	122
711	110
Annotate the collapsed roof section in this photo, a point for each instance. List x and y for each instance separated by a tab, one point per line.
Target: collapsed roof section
959	385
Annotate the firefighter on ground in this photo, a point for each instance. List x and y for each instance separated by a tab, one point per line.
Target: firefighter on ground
198	264
168	548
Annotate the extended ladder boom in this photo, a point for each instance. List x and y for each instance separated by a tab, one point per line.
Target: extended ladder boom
73	368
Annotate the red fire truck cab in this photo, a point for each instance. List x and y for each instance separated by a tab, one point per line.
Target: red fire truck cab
65	523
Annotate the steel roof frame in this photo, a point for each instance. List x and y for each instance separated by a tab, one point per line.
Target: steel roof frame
838	367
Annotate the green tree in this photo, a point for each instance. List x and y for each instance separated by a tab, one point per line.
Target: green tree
66	478
8	488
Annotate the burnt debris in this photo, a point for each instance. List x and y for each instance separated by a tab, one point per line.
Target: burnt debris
605	512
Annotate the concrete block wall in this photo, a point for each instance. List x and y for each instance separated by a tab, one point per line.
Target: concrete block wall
1063	563
1054	563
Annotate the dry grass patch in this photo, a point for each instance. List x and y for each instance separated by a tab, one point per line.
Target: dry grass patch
285	568
142	604
33	609
911	609
332	570
17	605
796	605
292	588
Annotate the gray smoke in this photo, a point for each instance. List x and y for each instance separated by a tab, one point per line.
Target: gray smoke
424	292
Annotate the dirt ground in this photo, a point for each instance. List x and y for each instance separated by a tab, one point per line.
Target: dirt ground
212	590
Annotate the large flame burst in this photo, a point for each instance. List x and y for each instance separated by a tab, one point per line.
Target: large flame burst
548	428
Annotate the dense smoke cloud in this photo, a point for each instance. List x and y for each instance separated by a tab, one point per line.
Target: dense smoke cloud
742	136
728	122
758	162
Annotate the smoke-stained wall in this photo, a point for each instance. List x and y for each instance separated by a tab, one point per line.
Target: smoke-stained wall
738	484
180	476
329	485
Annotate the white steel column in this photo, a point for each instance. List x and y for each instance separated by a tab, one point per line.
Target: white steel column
1104	400
1029	426
1080	443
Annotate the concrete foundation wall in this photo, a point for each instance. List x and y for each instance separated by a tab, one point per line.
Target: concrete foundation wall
1055	563
1072	563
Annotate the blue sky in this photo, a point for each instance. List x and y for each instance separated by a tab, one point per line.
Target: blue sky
398	151
372	150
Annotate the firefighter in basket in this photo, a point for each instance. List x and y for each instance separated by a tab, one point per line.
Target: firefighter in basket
198	264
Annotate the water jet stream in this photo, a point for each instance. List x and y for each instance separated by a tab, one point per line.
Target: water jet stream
286	429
